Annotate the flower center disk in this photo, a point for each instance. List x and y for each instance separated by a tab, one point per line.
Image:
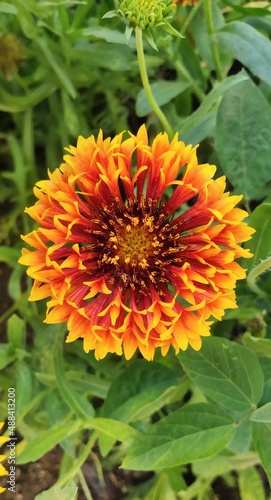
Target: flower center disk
135	245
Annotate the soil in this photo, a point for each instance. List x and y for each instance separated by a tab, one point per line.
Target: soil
33	478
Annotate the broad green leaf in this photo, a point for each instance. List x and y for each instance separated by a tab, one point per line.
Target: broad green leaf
226	372
46	440
190	433
140	390
222	463
112	428
250	484
103	55
244	154
260	244
262	414
241	440
110	36
88	383
261	433
209	106
163	91
258	345
67	492
248	46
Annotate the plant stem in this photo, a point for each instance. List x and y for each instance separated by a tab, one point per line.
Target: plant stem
253	275
197	90
146	83
210	28
191	15
84	485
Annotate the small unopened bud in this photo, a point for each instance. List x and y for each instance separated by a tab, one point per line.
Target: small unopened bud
146	13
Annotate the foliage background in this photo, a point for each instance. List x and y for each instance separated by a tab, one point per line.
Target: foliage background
73	74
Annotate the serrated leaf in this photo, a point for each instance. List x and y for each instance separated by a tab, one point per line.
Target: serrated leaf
226	372
248	46
244	154
262	414
190	433
140	390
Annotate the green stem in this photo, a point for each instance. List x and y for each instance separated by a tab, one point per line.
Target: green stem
191	15
146	83
181	68
84	485
210	28
253	275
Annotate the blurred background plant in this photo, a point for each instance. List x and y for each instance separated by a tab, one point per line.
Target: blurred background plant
68	71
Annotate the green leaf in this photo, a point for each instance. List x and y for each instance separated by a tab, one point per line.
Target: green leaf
68	492
244	154
226	372
110	36
140	390
258	345
23	386
241	439
260	244
261	433
57	68
163	91
190	433
262	414
7	355
7	8
13	104
248	46
77	402
219	465
112	428
46	440
9	255
209	105
250	484
16	331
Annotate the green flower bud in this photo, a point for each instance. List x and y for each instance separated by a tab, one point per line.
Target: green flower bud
146	13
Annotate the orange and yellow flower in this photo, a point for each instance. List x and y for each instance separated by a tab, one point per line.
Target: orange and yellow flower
136	245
